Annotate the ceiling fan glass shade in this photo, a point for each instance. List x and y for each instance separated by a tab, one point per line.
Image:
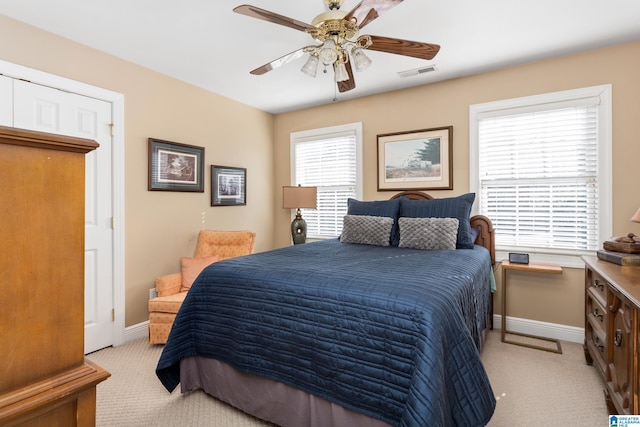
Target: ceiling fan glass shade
341	72
310	68
360	60
328	54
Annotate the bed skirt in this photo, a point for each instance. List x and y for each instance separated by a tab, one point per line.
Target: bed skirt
265	398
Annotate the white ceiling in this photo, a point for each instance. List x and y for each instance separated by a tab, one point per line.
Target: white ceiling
204	43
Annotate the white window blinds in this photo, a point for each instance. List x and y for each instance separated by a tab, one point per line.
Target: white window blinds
328	161
539	173
539	177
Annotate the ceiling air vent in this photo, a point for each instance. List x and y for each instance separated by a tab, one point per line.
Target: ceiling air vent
422	70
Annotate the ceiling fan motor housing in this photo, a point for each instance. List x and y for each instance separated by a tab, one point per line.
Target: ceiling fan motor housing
332	25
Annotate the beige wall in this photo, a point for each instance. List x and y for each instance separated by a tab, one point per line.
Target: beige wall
556	299
162	226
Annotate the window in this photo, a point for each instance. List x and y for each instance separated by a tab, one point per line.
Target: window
330	159
541	170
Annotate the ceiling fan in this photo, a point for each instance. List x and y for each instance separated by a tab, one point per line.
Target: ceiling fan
341	45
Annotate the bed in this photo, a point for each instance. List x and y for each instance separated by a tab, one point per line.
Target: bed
346	332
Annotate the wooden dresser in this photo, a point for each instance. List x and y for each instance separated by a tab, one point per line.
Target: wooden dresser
44	378
612	332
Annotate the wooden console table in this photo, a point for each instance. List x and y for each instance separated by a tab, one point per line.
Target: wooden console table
534	268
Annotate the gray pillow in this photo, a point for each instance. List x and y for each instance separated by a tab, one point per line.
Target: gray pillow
366	230
451	207
388	208
428	233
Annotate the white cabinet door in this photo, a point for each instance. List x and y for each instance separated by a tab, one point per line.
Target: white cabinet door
6	101
46	109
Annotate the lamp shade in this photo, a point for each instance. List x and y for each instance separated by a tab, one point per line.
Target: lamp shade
299	197
635	217
310	68
360	60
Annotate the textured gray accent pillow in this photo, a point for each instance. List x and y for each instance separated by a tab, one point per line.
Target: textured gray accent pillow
450	207
366	230
428	233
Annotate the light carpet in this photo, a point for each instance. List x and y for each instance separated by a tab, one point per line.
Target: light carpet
533	388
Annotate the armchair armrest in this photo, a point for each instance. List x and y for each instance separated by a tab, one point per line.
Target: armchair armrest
169	284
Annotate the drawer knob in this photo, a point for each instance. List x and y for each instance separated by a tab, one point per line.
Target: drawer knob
599	345
596	313
617	338
597	284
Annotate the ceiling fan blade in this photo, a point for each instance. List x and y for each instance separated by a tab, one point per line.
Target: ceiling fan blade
346	85
276	63
404	47
368	10
265	15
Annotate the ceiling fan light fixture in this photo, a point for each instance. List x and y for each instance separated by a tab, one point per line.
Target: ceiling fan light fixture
310	68
336	33
341	72
360	60
328	53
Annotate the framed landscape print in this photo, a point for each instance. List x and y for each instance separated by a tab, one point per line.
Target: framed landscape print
228	186
175	167
416	160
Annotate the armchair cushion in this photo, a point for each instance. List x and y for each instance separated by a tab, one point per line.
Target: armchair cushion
168	304
192	267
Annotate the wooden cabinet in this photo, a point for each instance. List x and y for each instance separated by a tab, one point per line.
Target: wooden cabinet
44	378
612	333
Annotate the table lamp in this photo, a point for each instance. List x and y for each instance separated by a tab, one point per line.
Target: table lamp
296	198
636	218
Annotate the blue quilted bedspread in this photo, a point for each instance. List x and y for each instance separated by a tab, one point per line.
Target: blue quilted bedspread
390	332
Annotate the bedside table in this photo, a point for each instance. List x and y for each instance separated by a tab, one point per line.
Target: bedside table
533	268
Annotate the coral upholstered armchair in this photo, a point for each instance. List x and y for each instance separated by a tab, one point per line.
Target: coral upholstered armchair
212	246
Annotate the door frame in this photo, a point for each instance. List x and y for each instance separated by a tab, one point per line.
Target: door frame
117	172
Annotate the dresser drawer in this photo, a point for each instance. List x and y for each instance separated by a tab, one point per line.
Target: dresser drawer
597	286
595	311
595	340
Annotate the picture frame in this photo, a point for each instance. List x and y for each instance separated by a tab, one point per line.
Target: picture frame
228	186
175	167
416	160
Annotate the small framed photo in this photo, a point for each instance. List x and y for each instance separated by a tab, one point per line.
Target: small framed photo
175	167
416	160
228	186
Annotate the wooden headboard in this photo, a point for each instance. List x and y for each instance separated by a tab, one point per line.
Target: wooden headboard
481	223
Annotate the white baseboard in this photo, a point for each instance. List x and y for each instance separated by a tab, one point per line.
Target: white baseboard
141	330
543	329
515	324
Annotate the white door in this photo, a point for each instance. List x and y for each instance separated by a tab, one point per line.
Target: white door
45	109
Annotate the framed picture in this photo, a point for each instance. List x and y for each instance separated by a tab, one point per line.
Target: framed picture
416	160
228	186
175	167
